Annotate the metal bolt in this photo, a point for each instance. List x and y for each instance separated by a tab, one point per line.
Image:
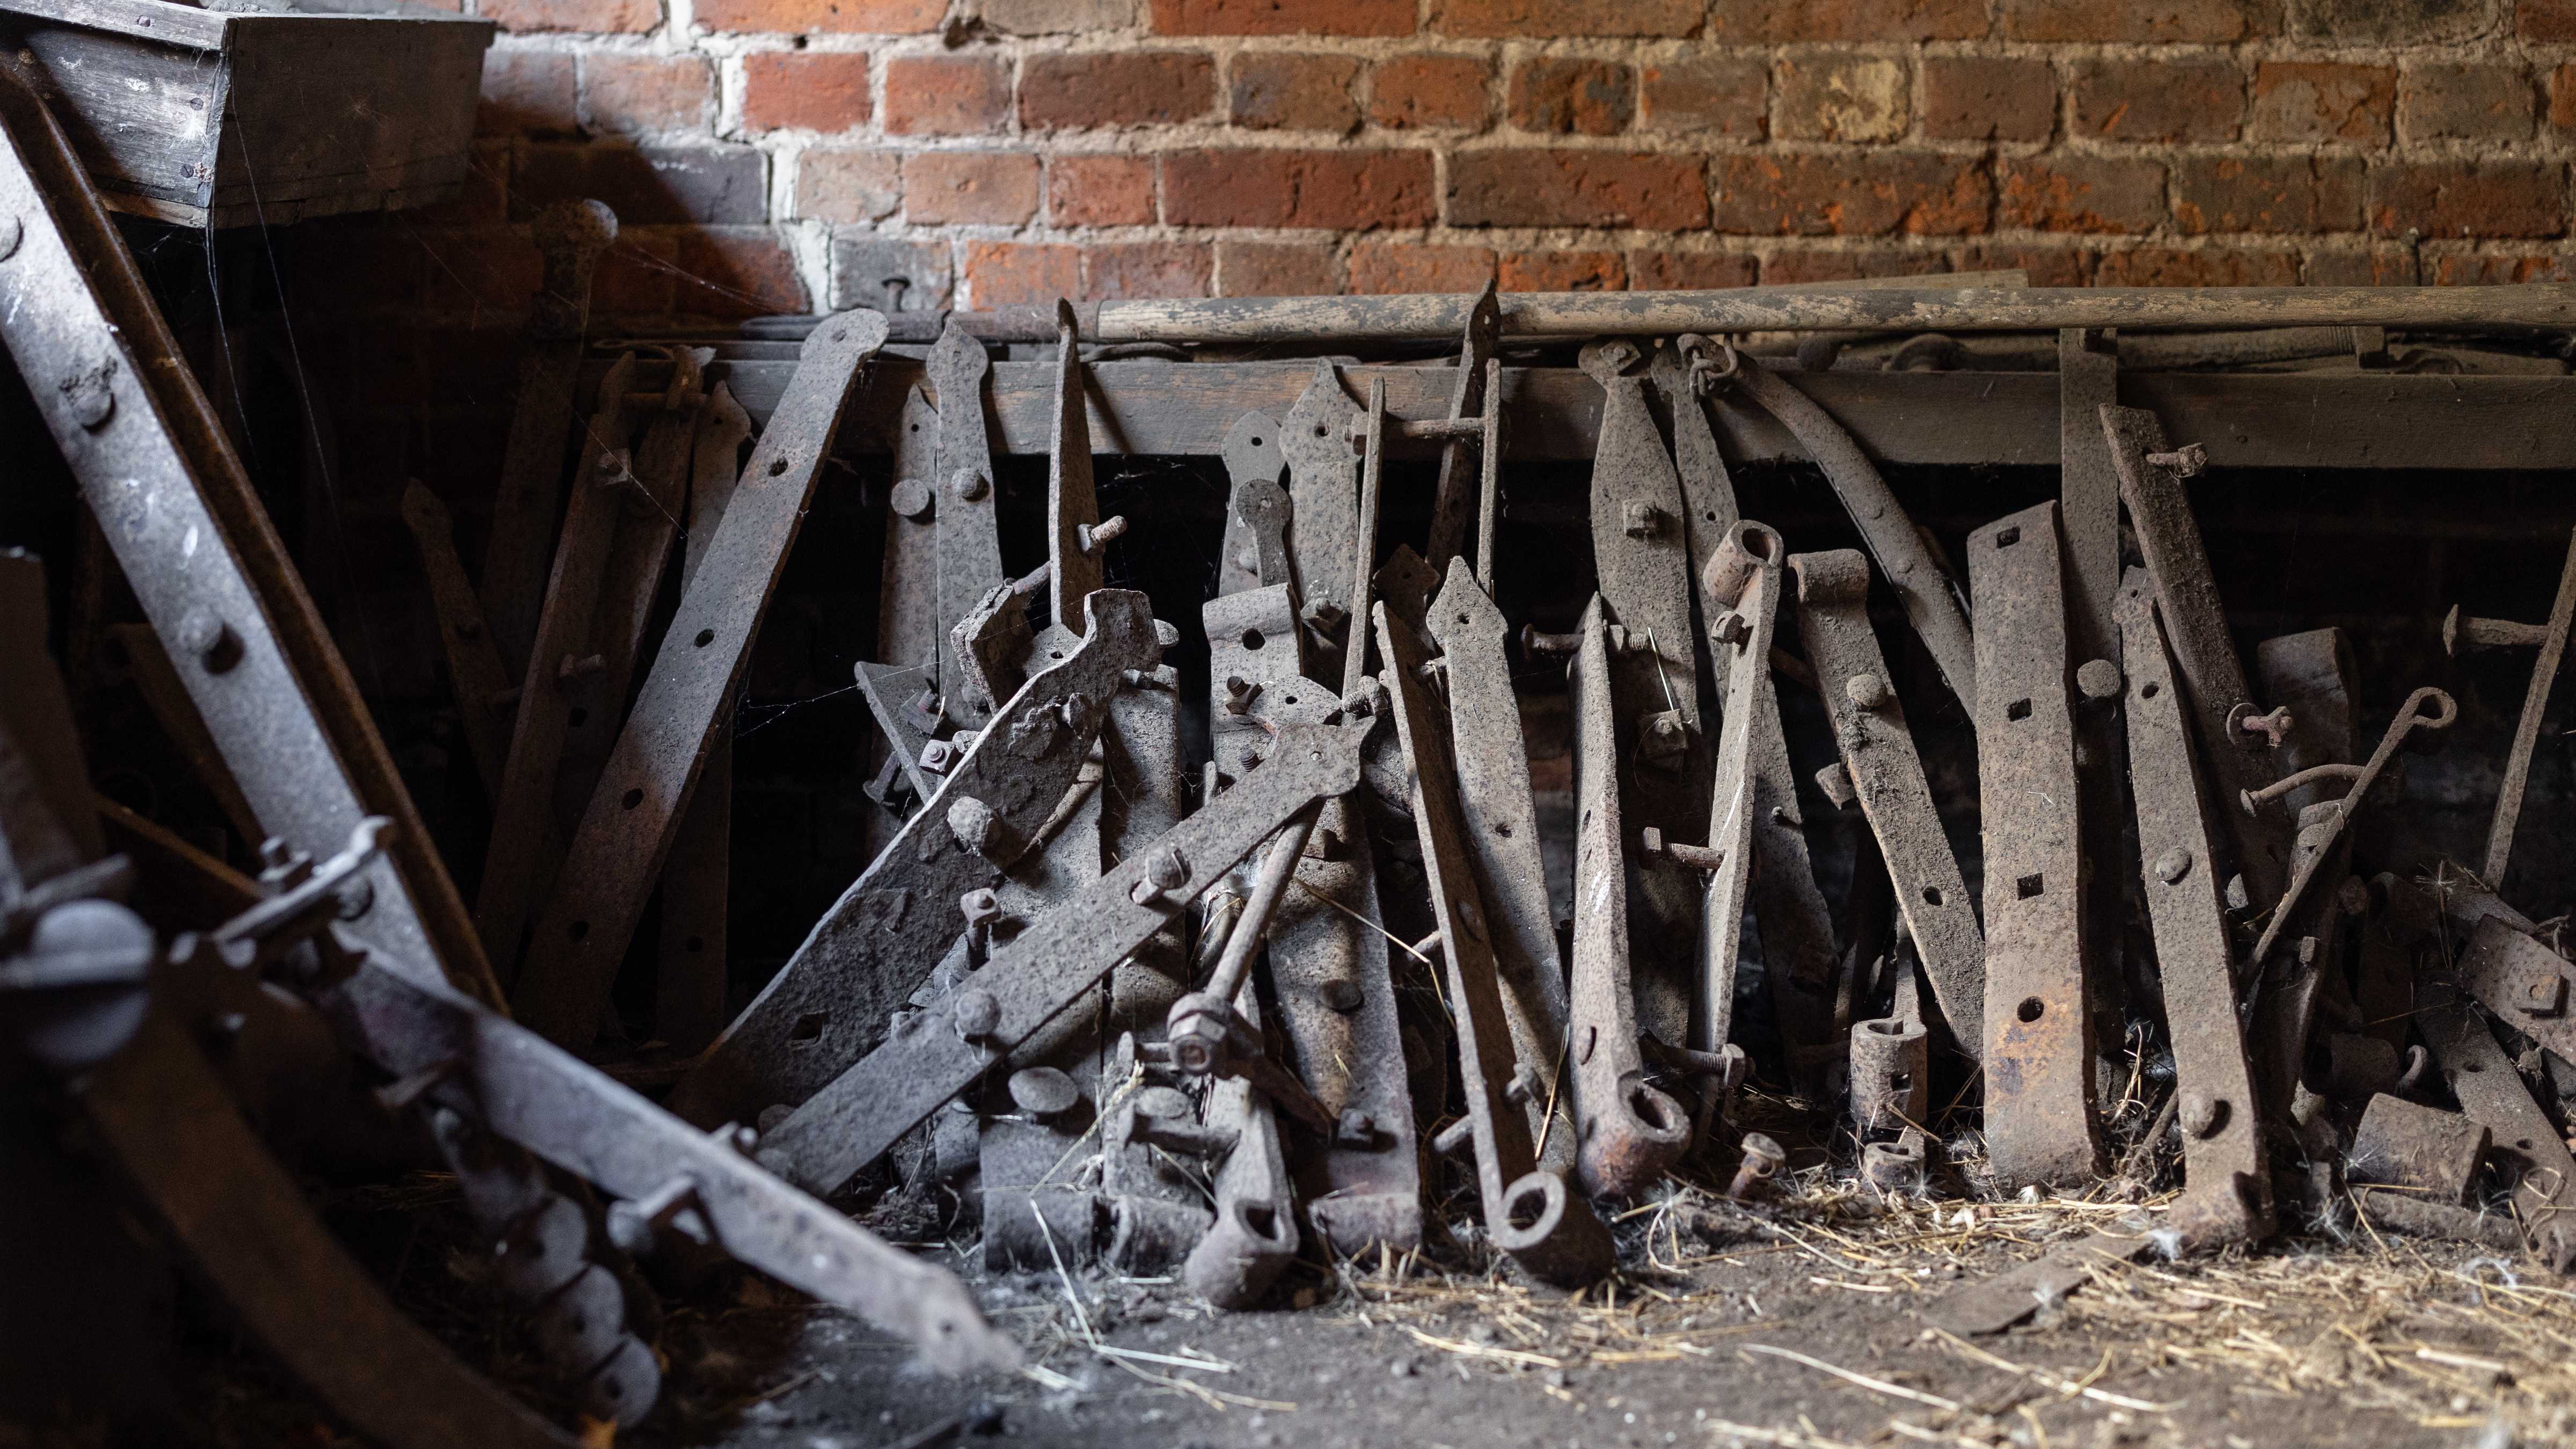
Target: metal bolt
1343	995
2272	727
204	634
1165	872
936	757
2238	897
2202	1116
980	908
911	498
977	1014
1522	1089
966	483
1470	920
12	231
1326	615
1866	690
1640	518
1096	536
1356	1129
1731	629
2173	865
1238	694
2098	679
1666	727
574	666
356	899
2184	462
90	395
1762	1158
974	824
1043	1092
2543	993
1892	1166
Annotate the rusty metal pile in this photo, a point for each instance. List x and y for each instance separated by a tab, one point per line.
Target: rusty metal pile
1177	984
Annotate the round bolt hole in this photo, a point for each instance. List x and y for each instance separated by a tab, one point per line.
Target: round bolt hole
706	637
2031	1009
631	799
1253	639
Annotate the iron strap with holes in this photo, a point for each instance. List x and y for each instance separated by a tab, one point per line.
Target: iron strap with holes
626	831
938	1052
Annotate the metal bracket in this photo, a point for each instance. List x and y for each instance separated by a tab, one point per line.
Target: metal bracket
1073	507
1324	502
1472	395
1256	516
2526	733
968	541
2491	1092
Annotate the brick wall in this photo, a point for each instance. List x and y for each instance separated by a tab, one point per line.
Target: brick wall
780	154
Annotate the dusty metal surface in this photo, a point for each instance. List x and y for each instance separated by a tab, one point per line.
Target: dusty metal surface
2526	735
1628	1130
827	1007
1073	507
2406	1144
1997	1303
635	813
2041	1121
1529	1213
2227	1178
936	1052
2523	983
909	632
1452	502
1255	552
1891	1075
2489	1090
1887	774
967	540
2411	716
1323	495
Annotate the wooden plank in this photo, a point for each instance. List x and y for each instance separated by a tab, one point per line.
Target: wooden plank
2273	420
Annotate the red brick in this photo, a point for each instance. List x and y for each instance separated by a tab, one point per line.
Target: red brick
632	93
2359	266
2414	23
1409	267
2177	267
595	17
736	272
2562	97
805	90
1270	91
1116	88
838	17
488	274
1341	188
1563	95
2487	271
1100	190
947	188
2469	198
1826	97
1848	264
2045	266
2316	100
1283	17
1576	188
1563	272
1507	19
1709	95
1276	269
1982	98
2550	22
848	186
1773	22
1430	93
635	276
2141	22
2464	103
1122	270
2159	100
2267	193
1016	274
484	199
527	91
1852	194
1656	270
946	95
2080	193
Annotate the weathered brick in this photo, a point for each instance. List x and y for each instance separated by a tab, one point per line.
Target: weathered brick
2358	265
1771	22
1100	190
1563	272
2046	266
595	17
805	90
1576	188
1017	274
950	188
1116	88
645	185
1709	95
1340	188
1505	19
1988	98
1283	17
1850	264
2480	270
2080	193
839	17
2198	99
1121	270
848	186
1276	269
631	94
890	275
1825	97
737	272
2549	22
2267	193
1272	91
1563	94
2562	97
527	91
636	276
1055	17
2392	22
1380	268
1431	93
1652	269
2141	22
2438	101
484	199
2316	100
2469	198
946	95
1876	193
2182	267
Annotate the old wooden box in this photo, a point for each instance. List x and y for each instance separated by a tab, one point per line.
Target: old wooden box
261	111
